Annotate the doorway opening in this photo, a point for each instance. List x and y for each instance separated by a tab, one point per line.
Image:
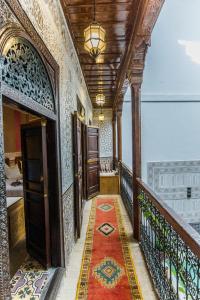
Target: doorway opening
32	192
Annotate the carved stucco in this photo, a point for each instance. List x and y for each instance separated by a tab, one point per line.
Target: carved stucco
48	19
6	15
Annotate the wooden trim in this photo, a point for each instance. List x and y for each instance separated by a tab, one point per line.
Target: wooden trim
136	148
114	140
119	135
184	230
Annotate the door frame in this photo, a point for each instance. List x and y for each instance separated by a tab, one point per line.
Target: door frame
21	26
54	206
77	213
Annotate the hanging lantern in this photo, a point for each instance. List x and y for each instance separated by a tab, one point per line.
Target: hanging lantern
100	99
94	36
101	117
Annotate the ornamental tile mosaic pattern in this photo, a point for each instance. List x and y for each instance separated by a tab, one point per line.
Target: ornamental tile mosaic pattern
108	272
23	70
30	281
106	229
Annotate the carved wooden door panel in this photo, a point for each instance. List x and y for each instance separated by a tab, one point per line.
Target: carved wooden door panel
93	178
78	171
35	179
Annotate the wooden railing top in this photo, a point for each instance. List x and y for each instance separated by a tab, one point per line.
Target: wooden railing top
126	167
189	235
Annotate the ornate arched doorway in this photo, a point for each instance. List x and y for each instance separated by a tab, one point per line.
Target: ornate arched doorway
29	82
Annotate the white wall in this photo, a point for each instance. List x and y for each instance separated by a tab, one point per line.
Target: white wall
171	87
170	132
127	131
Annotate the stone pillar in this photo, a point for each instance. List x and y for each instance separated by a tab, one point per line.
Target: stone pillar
4	245
136	148
119	134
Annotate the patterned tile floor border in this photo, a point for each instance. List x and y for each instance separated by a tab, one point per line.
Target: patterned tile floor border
30	281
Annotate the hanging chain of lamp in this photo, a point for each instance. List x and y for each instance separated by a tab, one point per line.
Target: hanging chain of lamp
101	116
94	36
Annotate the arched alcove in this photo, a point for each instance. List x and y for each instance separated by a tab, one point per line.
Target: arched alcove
24	70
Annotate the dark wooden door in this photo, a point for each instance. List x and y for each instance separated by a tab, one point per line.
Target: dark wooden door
93	179
78	172
84	160
35	178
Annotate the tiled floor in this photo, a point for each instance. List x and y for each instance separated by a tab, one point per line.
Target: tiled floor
30	281
69	283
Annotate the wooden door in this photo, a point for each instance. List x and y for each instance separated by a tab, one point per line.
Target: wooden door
78	172
35	178
84	160
93	179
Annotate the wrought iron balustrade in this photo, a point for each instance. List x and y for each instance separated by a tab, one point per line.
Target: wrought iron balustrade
171	248
126	184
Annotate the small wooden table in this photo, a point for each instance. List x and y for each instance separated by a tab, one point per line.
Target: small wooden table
109	184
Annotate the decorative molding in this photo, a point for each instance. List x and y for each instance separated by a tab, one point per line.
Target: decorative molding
151	15
24	71
24	100
135	61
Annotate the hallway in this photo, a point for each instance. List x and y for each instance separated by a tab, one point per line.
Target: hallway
68	288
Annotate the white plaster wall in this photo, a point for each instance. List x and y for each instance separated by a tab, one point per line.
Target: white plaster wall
171	86
170	132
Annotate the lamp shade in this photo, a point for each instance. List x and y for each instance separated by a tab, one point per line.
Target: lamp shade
94	36
100	99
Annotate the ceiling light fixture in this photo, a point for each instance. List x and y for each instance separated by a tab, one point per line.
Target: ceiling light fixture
101	116
94	36
100	99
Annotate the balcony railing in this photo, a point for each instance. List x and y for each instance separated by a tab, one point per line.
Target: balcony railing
171	247
126	183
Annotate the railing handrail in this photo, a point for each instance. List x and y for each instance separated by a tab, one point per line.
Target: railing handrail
127	168
185	231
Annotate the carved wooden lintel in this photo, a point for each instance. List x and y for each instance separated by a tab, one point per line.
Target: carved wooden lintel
151	15
136	61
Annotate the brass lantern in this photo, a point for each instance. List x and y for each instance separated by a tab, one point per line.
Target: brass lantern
101	116
100	99
94	36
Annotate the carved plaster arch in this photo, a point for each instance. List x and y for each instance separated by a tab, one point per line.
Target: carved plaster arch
25	69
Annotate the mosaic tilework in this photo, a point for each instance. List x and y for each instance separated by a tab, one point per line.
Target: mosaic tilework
30	281
4	247
68	221
23	70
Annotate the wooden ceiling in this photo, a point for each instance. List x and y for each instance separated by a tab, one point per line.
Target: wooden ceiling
117	17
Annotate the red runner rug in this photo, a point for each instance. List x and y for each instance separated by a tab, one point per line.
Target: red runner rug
107	269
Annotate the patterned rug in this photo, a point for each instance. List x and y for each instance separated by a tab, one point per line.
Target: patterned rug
107	268
30	281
